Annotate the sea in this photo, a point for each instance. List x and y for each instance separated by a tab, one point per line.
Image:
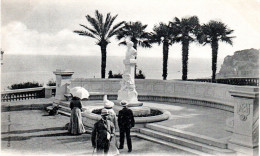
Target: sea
39	68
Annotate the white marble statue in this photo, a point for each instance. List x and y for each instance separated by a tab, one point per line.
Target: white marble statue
128	91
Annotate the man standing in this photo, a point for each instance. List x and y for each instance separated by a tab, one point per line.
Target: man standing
102	133
125	122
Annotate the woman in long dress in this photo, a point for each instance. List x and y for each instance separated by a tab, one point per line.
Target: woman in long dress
76	126
113	149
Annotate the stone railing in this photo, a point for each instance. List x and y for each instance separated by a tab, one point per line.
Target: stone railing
25	94
199	93
233	81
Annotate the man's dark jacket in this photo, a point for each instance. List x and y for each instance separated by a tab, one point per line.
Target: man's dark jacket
126	119
99	133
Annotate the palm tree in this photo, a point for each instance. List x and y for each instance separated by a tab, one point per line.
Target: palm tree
163	33
102	31
212	33
187	29
137	34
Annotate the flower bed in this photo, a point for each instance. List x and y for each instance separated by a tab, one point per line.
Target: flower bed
154	112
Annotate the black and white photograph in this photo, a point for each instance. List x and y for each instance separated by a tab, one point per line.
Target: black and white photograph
130	77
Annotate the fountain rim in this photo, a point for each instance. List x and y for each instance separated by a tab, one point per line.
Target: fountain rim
138	120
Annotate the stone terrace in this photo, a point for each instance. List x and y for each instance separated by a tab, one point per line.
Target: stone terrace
26	128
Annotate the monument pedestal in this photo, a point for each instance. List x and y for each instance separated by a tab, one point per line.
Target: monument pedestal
245	135
63	78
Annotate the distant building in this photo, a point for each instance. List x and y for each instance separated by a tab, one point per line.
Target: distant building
244	63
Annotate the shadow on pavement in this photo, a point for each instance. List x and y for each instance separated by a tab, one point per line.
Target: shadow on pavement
34	130
22	138
82	138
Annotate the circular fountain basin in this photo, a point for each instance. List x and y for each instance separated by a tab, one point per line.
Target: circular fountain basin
89	118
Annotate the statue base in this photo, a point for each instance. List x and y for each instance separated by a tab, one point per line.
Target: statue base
129	96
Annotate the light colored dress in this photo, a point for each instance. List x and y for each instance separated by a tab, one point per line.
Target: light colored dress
113	149
76	126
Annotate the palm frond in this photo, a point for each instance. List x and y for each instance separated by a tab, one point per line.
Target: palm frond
115	30
94	23
84	33
91	30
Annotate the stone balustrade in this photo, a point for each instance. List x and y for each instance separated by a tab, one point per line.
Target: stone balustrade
199	93
29	93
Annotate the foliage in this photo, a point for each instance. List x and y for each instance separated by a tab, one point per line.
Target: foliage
187	30
164	33
154	112
51	83
140	75
25	85
137	34
102	31
111	75
212	33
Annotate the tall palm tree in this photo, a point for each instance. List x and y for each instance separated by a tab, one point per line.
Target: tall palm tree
137	34
164	34
102	31
212	33
188	29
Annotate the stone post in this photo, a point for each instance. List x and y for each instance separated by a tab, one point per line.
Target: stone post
246	114
63	78
48	92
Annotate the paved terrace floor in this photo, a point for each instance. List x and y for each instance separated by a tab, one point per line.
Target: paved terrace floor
33	131
201	120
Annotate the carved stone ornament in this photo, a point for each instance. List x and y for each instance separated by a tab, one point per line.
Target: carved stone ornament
243	111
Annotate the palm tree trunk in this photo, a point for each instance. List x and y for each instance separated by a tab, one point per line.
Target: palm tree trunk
165	59
103	60
214	47
185	56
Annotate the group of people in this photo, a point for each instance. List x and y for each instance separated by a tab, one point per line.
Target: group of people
103	136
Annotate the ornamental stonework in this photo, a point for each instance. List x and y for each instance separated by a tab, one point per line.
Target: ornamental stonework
243	111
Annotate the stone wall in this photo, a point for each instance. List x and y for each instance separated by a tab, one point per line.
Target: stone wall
200	93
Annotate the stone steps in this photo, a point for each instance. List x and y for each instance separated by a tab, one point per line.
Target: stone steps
185	142
170	144
188	135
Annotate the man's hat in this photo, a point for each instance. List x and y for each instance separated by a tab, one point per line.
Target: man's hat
124	103
104	112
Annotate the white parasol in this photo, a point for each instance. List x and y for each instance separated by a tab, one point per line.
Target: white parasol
79	92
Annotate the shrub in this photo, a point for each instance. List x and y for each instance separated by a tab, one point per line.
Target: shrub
25	85
111	75
140	75
154	112
51	83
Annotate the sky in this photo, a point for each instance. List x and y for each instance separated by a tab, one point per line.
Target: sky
45	27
